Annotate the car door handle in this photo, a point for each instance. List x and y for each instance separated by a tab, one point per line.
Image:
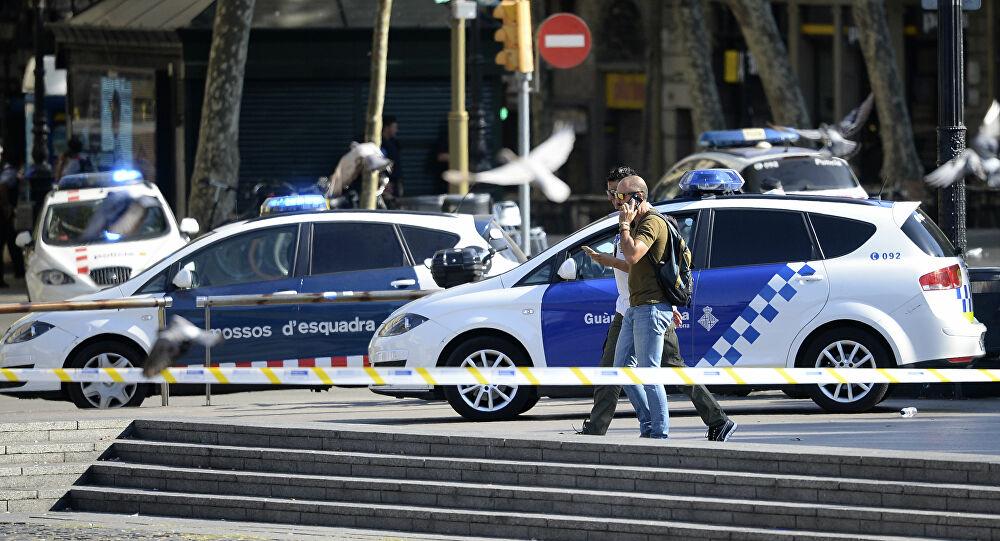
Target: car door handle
286	292
400	284
811	278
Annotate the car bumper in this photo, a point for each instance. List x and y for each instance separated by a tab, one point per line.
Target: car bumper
47	351
420	347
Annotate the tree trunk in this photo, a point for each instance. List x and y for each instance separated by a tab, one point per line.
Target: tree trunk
900	162
781	86
217	161
651	127
376	95
706	108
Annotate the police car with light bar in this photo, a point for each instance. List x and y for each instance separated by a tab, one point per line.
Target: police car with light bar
65	260
289	250
766	158
779	281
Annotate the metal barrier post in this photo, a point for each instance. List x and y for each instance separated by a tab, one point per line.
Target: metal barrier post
161	318
208	353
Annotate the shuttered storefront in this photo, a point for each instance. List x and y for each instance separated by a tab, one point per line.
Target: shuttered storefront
296	131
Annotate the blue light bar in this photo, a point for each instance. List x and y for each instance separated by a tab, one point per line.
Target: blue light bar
293	203
108	179
746	137
711	180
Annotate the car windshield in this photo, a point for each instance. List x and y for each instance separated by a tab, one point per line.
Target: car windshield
800	174
66	224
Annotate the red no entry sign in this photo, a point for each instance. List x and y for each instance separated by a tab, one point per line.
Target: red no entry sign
564	40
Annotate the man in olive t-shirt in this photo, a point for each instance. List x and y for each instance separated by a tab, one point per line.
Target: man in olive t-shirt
648	317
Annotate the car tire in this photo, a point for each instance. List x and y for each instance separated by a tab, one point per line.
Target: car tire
107	395
847	347
489	402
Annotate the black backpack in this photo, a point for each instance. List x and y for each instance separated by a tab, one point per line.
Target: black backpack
674	273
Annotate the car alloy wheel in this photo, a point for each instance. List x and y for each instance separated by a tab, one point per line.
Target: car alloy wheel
846	348
106	354
846	354
487	398
108	395
489	402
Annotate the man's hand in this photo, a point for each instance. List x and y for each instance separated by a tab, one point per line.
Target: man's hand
627	212
677	318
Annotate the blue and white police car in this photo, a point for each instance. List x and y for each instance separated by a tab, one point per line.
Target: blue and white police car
304	252
765	158
779	280
65	260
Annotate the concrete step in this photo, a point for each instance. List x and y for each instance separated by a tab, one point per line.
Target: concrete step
511	496
408	518
49	453
839	463
646	480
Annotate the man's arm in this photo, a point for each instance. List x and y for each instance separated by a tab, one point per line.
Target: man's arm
612	261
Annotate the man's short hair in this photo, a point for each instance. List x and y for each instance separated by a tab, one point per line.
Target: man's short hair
620	172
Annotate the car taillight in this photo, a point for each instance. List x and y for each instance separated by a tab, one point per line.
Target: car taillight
946	278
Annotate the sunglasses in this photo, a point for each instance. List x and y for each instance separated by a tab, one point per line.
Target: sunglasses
611	193
622	196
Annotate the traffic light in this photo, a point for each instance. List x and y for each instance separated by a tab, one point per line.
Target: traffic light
515	35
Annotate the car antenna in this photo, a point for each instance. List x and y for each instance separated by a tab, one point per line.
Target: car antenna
462	202
885	180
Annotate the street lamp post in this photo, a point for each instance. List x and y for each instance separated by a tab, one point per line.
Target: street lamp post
951	109
40	177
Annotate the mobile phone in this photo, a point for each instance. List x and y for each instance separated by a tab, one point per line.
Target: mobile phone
588	249
637	198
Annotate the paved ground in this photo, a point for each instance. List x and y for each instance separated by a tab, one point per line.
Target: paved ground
949	426
100	527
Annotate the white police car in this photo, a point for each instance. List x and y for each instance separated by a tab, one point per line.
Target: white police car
765	157
66	259
790	281
304	252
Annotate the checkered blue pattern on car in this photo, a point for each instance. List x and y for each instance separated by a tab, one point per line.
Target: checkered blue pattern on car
965	297
757	316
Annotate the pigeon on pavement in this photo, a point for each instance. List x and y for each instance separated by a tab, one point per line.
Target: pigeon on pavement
536	168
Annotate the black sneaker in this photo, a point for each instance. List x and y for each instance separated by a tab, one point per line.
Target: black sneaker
587	429
722	432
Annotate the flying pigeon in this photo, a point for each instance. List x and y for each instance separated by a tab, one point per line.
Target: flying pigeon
835	140
365	157
175	341
119	215
980	160
537	167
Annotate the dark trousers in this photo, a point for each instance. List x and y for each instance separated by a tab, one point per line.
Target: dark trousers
606	396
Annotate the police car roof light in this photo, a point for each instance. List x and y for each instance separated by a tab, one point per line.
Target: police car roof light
711	180
294	203
106	179
746	137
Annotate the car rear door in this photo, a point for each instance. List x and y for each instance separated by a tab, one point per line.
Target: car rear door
350	256
763	281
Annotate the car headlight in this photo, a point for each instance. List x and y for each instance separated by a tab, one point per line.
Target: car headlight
27	331
400	324
53	277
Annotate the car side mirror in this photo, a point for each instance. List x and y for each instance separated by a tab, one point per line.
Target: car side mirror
23	239
184	279
567	271
190	227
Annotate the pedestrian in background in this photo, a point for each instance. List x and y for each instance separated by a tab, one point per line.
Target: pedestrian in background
392	150
8	200
72	160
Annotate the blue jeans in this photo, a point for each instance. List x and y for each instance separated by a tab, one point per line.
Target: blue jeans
640	344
